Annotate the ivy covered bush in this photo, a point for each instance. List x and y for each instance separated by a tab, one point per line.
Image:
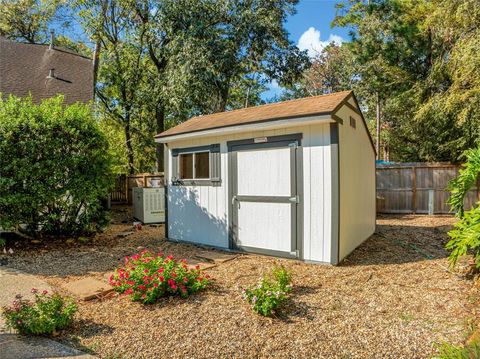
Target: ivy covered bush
270	293
147	277
45	315
55	167
465	237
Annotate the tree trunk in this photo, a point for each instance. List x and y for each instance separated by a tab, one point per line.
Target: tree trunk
128	143
377	135
96	61
159	151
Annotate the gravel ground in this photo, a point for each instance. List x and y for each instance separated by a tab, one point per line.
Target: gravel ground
393	297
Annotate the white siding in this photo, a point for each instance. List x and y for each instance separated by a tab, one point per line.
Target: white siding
357	183
199	213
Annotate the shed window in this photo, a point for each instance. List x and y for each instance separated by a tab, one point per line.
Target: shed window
196	165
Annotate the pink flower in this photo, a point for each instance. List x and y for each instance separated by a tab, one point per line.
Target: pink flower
171	282
130	282
145	271
155	285
161	278
170	257
173	286
142	287
174	274
34	290
45	292
129	291
185	280
160	270
197	266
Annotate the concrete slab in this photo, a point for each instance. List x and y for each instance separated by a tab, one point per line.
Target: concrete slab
14	346
216	257
88	288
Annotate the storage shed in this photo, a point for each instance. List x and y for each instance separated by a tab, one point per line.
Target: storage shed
291	179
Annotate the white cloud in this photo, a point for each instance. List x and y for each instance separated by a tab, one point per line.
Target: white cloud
311	41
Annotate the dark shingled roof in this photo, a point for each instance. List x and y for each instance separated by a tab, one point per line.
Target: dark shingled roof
309	106
24	69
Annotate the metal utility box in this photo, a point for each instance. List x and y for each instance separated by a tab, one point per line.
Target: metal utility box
149	204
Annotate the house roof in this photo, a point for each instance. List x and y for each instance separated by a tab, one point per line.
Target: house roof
24	69
309	106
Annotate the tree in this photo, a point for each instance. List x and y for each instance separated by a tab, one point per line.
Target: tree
205	47
419	57
332	70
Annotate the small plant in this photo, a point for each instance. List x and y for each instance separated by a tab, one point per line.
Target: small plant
270	292
3	243
449	351
147	277
45	315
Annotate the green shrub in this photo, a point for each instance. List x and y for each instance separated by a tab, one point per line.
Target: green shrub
54	167
449	351
45	315
465	237
147	277
270	293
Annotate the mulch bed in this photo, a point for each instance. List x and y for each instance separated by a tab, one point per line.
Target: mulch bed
393	297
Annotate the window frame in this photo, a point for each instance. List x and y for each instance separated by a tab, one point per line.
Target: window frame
214	166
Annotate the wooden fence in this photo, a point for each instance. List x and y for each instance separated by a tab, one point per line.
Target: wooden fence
417	188
122	193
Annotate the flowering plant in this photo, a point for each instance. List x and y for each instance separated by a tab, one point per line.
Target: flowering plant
146	277
45	315
270	292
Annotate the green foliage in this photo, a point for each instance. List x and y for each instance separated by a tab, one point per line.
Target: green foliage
449	351
55	167
147	277
465	237
270	293
465	181
45	315
26	20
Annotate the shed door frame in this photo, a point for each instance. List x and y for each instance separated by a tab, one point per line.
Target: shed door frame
296	168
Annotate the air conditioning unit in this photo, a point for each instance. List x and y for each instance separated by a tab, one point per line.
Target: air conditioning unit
149	204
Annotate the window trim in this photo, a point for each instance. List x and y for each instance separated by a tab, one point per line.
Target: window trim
211	149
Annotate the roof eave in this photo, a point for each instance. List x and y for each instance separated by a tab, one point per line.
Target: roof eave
253	126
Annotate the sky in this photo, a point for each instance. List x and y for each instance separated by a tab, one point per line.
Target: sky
310	29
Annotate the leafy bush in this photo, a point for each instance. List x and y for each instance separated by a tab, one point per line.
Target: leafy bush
465	237
54	167
449	351
45	315
147	277
271	291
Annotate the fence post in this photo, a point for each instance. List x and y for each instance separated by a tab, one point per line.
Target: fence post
414	189
431	196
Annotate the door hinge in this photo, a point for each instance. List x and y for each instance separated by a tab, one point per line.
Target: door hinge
295	199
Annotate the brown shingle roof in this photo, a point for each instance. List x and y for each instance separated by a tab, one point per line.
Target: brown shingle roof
309	106
24	69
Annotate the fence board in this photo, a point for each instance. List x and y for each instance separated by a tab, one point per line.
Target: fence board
122	192
405	188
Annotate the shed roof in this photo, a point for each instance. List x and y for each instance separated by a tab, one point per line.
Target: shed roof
309	106
24	69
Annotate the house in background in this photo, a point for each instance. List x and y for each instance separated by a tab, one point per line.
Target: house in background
292	179
44	71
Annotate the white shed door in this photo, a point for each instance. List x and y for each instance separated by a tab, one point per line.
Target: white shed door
264	198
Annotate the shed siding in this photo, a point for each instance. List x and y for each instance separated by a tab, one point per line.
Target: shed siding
199	213
357	183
